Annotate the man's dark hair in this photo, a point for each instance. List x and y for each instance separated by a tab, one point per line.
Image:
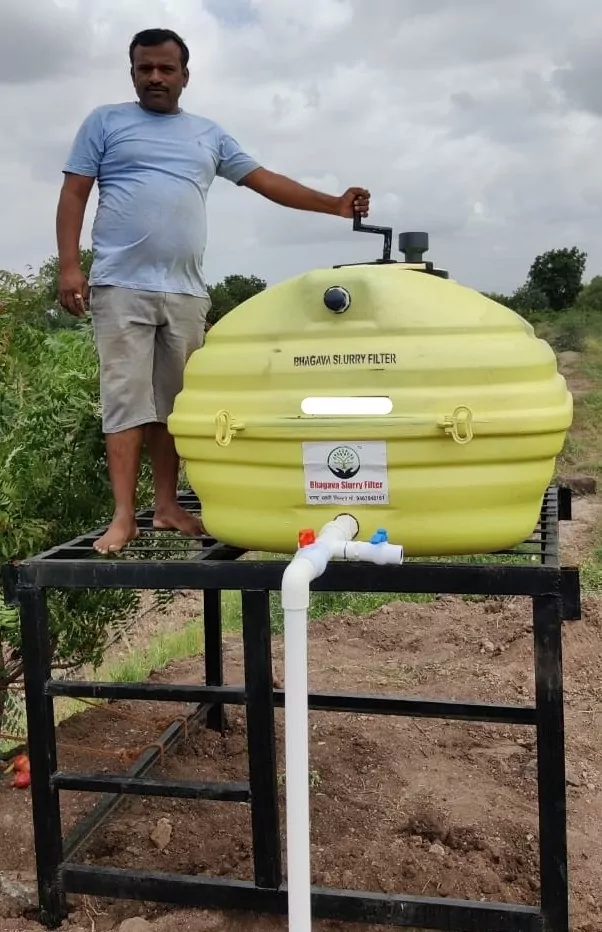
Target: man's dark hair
148	38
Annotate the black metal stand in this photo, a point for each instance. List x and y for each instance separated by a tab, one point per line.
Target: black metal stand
532	570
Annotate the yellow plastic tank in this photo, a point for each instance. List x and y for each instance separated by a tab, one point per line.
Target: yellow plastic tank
444	414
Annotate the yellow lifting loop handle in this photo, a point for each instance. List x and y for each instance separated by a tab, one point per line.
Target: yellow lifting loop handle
459	424
225	428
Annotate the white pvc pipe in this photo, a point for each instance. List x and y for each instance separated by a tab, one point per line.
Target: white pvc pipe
335	540
357	550
297	771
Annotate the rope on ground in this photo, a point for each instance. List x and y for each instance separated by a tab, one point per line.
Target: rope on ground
126	755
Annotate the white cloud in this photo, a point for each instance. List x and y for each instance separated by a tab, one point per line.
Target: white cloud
477	121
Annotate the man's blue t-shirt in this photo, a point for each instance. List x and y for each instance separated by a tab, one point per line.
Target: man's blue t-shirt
154	172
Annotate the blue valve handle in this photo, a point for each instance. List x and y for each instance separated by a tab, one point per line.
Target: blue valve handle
381	537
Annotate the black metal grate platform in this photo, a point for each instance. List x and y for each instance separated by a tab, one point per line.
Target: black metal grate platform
159	560
541	546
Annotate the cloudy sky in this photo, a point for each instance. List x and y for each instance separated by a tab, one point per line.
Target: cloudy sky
476	120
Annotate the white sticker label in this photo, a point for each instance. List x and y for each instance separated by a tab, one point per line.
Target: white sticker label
346	473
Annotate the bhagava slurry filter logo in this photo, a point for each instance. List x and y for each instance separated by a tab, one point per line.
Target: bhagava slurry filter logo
346	473
344	463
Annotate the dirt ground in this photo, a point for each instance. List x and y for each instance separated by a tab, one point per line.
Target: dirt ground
398	805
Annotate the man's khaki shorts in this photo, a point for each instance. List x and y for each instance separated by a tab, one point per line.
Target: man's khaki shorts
144	340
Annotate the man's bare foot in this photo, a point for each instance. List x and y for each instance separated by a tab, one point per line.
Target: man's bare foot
120	532
176	518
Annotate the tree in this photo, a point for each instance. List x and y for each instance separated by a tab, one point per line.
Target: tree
227	295
558	274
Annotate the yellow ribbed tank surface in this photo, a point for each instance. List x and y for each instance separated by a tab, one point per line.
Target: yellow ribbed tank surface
458	465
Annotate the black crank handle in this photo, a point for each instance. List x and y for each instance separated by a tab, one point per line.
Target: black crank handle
387	232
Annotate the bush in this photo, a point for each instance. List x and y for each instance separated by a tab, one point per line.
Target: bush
590	297
53	476
530	300
569	332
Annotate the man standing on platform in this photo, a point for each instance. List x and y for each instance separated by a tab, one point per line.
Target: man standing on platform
154	163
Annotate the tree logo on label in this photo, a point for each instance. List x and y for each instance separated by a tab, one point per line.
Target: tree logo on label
344	463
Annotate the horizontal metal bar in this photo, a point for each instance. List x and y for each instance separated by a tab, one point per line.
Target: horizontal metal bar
156	692
153	548
318	701
451	578
418	708
213	550
146	524
216	551
172	735
343	905
137	786
82	539
87	552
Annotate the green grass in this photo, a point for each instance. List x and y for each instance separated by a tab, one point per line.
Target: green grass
591	576
583	448
591	568
163	649
160	651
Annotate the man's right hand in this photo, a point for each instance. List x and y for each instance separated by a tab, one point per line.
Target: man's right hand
73	291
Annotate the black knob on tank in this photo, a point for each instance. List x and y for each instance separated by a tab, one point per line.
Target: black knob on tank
337	299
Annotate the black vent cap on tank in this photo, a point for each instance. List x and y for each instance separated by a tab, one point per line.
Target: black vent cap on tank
413	246
337	299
